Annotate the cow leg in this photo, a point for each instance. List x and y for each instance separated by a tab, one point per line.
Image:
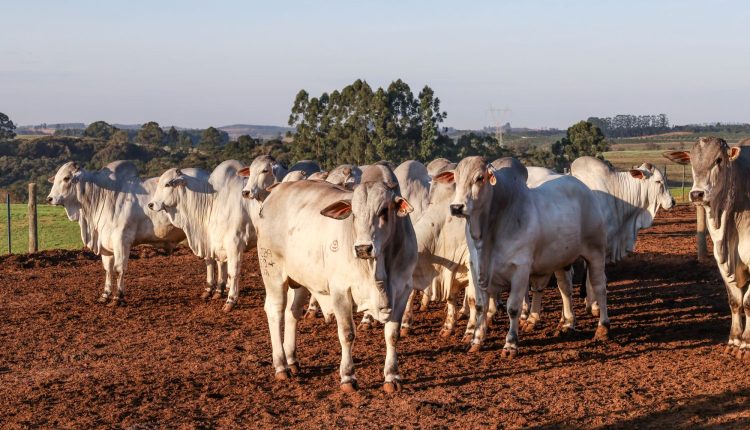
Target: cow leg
464	311
408	314
471	325
537	291
296	299
274	306
221	282
121	255
426	297
735	306
342	308
234	265
312	308
210	278
108	261
598	280
367	322
525	310
519	286
450	316
565	285
390	371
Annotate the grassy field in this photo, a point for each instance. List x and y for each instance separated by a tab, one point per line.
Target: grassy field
55	231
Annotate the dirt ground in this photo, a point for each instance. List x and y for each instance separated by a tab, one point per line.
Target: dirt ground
169	359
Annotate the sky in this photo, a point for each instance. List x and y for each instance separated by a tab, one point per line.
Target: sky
199	63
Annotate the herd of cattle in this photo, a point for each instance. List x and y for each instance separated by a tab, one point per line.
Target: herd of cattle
366	238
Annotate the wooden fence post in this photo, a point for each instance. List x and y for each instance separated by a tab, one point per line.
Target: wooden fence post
7	203
33	242
700	232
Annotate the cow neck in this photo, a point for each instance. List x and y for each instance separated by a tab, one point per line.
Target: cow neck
194	211
97	203
510	197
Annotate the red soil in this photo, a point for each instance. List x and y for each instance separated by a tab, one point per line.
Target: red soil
168	359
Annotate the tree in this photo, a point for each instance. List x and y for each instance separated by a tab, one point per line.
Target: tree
100	130
150	134
582	138
120	137
212	139
429	113
7	128
173	137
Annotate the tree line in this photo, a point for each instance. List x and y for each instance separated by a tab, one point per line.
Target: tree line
632	125
354	125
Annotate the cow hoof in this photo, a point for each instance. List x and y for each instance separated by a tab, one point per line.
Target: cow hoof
729	350
445	332
528	327
206	294
460	315
310	314
739	353
363	327
467	338
294	369
228	306
474	348
595	312
217	295
404	332
116	302
508	353
602	333
284	375
349	387
392	387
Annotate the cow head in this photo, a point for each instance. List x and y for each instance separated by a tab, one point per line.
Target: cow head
63	191
711	160
474	178
263	172
345	175
655	184
375	208
168	189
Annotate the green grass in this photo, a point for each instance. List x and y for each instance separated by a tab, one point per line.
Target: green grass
55	231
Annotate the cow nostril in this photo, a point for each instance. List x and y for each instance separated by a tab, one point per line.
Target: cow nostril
246	194
150	205
457	209
49	199
363	249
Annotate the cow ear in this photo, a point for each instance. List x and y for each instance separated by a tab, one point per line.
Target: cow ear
338	210
491	173
273	186
51	179
244	172
733	153
637	173
403	208
176	182
446	177
681	157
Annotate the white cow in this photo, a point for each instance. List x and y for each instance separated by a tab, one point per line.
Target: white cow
216	222
628	201
308	240
518	234
110	208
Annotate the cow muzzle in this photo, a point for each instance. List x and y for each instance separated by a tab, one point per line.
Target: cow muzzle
248	194
54	201
365	251
457	209
697	196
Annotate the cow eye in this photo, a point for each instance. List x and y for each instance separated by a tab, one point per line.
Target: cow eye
264	171
718	161
658	182
479	178
168	184
383	213
66	179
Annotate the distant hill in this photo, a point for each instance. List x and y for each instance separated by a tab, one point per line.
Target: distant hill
257	131
265	132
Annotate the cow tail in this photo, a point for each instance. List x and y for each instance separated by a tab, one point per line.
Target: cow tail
582	289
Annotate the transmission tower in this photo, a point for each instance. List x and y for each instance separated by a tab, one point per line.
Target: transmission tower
497	115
